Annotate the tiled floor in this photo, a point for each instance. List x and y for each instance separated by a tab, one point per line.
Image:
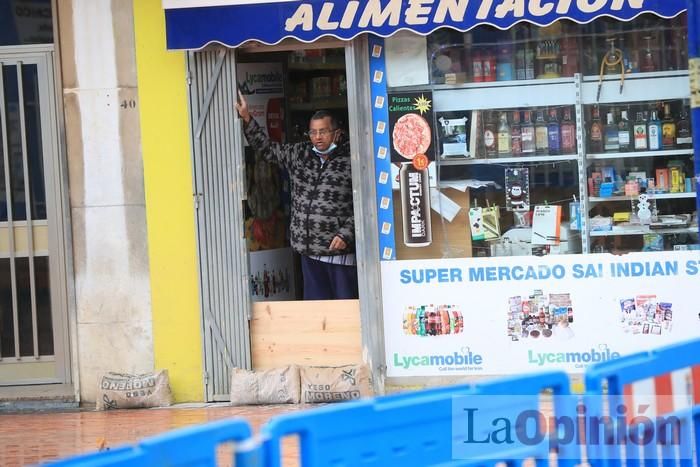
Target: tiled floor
32	438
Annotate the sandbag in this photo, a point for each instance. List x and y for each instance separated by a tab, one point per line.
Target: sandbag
275	386
125	391
335	384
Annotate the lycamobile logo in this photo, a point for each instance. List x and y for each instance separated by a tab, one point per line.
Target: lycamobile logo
454	359
591	356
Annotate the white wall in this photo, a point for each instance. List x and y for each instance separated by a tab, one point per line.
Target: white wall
114	331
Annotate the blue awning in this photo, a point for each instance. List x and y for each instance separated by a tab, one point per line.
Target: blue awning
193	24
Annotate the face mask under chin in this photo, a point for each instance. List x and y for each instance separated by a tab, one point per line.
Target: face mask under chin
327	151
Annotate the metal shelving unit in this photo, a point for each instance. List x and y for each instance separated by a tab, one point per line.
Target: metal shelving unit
578	91
508	160
624	155
688	195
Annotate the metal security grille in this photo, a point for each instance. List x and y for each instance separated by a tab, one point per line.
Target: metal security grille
29	348
218	197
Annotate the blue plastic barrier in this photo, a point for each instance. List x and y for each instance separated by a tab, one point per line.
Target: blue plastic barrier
421	428
191	446
430	427
646	438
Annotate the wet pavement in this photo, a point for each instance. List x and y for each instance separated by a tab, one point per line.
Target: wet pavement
34	438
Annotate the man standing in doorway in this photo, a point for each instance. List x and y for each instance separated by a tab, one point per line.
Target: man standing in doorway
322	224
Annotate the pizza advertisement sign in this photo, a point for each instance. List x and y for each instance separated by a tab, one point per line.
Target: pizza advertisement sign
411	128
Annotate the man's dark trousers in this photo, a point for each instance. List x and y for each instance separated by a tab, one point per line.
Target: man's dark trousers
326	281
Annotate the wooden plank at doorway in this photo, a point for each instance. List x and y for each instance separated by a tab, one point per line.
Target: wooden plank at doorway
323	333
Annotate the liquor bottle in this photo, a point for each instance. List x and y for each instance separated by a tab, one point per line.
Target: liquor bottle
668	129
596	138
490	136
569	55
612	141
568	133
504	136
527	132
553	133
504	64
541	134
529	61
623	133
488	65
684	136
654	132
640	133
516	135
648	64
520	63
477	70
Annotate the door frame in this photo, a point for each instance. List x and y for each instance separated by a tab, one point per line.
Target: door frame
57	207
364	197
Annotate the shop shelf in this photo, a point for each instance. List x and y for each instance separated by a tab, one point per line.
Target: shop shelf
638	87
320	103
596	199
621	155
316	66
509	160
638	230
505	95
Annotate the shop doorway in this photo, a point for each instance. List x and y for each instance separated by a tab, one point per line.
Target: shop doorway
33	322
283	91
242	203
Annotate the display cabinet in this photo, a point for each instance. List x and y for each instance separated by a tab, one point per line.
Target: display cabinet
537	123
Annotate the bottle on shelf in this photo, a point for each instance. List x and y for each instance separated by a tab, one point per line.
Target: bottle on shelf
490	145
527	132
623	133
541	134
477	69
504	146
529	61
520	63
684	135
553	133
516	135
648	64
654	132
668	129
640	133
612	135
596	137
488	65
568	133
504	65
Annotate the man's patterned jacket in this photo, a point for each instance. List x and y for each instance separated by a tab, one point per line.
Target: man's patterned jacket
321	193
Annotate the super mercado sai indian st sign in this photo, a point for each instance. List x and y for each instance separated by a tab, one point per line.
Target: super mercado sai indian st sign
194	24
